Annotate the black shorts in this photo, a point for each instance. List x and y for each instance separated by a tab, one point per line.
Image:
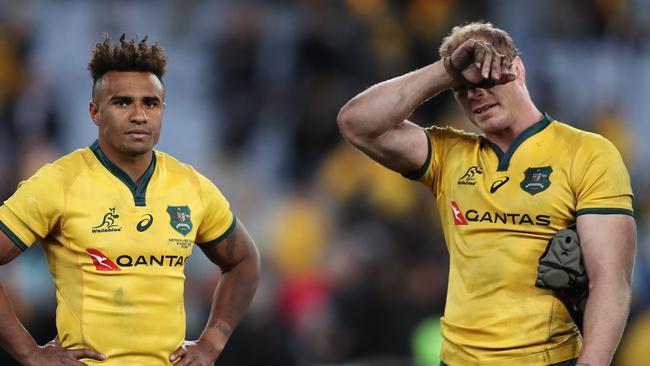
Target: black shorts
563	363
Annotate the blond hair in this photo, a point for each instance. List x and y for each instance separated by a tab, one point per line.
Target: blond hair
499	38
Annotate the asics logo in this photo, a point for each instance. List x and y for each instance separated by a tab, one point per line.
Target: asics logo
145	223
498	183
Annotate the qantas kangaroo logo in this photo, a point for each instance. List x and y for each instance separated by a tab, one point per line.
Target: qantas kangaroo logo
101	262
459	219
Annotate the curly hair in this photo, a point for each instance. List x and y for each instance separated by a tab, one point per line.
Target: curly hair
499	38
127	56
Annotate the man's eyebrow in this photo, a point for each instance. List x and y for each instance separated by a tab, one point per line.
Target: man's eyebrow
121	97
152	98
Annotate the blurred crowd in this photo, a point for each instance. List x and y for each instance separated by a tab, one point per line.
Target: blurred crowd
354	262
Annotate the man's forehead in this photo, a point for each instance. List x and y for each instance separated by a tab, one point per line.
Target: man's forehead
130	83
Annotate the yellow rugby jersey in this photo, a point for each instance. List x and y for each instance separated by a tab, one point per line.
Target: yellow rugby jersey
117	250
498	211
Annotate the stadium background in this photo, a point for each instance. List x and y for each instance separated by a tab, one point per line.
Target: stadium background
354	265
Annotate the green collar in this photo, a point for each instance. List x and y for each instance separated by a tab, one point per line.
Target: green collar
138	190
504	158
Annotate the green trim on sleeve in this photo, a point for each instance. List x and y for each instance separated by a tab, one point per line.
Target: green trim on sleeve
19	243
423	169
223	236
605	211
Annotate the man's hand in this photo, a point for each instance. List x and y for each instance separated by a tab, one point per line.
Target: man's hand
53	354
478	64
196	353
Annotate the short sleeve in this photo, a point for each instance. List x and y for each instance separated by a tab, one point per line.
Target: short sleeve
35	208
440	140
218	221
601	181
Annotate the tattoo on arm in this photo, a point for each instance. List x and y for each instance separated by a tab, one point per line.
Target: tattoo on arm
223	328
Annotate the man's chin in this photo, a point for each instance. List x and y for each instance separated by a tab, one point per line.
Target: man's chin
489	125
136	150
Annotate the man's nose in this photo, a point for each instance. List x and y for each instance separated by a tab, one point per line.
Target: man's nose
473	93
139	114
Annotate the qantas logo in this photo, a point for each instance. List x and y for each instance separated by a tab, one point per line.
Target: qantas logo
492	217
459	219
101	262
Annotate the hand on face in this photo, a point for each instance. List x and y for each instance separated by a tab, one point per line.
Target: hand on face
478	64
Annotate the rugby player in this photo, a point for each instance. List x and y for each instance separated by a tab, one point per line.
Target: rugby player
118	221
501	196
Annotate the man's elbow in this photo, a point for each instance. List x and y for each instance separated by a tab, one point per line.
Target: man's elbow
345	121
351	122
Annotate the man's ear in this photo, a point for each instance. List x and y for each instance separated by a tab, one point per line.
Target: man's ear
520	70
94	112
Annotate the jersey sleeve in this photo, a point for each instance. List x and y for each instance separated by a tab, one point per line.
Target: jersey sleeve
439	139
35	208
218	222
601	181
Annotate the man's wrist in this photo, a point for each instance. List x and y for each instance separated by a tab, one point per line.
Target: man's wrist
451	70
449	80
217	334
26	356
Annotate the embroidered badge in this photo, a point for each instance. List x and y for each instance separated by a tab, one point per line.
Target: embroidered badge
536	179
179	218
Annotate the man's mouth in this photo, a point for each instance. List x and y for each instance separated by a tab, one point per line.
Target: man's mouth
138	133
485	108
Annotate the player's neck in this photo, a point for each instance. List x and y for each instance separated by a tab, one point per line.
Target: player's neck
528	116
133	165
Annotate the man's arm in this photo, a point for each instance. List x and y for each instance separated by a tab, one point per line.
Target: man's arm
13	336
375	120
608	247
15	339
238	258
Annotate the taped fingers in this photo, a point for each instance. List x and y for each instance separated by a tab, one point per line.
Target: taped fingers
479	54
487	64
495	72
507	71
464	55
